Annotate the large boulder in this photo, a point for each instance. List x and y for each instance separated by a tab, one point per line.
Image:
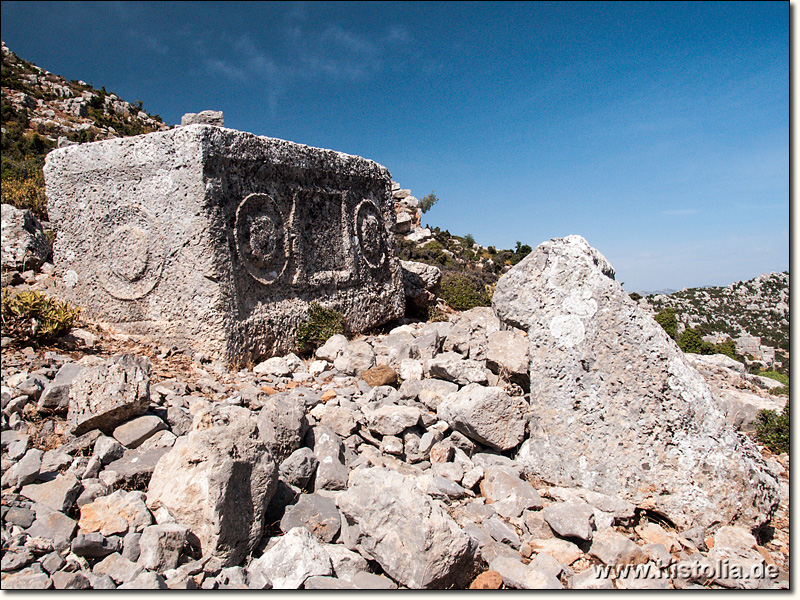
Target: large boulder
24	244
217	481
615	406
109	394
413	539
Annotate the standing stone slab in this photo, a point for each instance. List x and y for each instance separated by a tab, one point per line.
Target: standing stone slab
219	240
217	482
615	406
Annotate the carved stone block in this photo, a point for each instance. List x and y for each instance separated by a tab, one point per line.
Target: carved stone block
218	240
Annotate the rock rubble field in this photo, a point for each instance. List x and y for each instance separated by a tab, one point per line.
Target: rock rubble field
558	439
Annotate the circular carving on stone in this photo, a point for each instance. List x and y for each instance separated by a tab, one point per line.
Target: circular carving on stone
369	229
261	237
130	253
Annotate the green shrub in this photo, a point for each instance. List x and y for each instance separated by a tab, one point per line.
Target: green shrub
463	292
667	319
728	348
322	324
33	317
772	429
635	296
26	193
691	342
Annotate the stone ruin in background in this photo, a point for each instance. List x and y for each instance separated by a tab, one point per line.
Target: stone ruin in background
218	241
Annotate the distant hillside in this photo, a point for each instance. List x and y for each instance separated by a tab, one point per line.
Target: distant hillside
758	307
41	110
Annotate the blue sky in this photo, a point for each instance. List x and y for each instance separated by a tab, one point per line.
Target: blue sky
659	132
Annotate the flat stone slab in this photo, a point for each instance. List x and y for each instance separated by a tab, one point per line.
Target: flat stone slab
219	240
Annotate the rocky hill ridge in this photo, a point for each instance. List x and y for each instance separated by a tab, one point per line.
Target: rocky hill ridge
753	313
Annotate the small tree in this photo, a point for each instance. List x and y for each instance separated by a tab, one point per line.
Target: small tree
469	240
428	201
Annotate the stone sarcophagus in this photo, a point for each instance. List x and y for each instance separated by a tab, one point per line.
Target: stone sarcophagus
218	241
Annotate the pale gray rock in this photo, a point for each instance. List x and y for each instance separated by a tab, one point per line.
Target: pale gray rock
358	356
217	482
25	471
145	581
346	563
107	395
487	415
591	579
316	513
294	558
616	407
613	548
570	519
392	420
160	546
282	424
620	509
52	525
434	391
205	117
55	395
403	225
24	244
117	513
451	366
520	576
26	579
299	467
136	431
15	559
331	349
501	532
71	581
327	583
508	355
421	284
364	580
329	450
54	461
510	495
411	537
119	569
59	494
276	366
227	236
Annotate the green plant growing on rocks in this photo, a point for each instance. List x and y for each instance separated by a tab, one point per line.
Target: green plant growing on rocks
32	316
669	321
691	342
772	429
322	324
461	292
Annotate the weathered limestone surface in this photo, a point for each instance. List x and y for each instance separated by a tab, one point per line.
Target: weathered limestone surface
219	240
615	406
217	481
24	244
